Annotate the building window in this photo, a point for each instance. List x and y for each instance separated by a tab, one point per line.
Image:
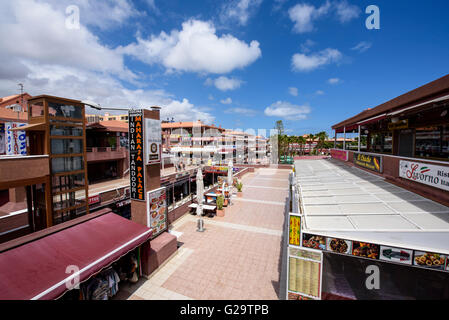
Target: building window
56	130
64	111
67	164
381	142
36	109
66	146
432	142
68	182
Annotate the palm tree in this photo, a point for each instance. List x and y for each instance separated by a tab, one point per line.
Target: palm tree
302	141
322	137
311	138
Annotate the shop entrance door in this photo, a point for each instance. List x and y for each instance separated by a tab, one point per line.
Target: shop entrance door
406	143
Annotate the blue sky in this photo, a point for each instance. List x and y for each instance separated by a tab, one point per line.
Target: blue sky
238	64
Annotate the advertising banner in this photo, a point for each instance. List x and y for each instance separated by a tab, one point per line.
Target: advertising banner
136	155
340	154
15	140
157	211
305	270
431	175
2	139
370	162
153	141
294	230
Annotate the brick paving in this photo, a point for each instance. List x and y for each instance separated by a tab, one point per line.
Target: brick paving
239	256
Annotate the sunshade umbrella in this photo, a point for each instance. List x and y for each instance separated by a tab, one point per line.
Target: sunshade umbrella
199	192
230	172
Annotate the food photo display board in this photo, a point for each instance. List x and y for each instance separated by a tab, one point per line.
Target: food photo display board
157	211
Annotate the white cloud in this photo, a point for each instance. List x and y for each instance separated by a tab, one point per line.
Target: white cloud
105	14
243	111
334	81
319	92
211	97
239	11
52	43
303	15
293	91
304	62
287	111
51	59
226	101
362	46
195	48
224	84
346	12
306	46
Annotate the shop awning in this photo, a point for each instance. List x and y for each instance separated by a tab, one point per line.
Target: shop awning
37	270
32	127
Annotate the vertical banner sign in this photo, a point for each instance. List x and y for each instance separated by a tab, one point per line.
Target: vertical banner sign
2	139
157	211
153	141
15	140
136	155
294	231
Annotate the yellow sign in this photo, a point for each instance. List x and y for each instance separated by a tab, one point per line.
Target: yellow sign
295	231
403	124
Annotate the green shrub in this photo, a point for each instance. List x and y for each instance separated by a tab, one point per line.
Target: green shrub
220	201
239	186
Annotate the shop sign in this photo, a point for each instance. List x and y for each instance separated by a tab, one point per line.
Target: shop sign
340	154
15	140
370	162
123	203
403	124
153	141
314	241
340	246
136	155
94	199
305	270
157	211
2	139
294	233
429	260
428	174
398	255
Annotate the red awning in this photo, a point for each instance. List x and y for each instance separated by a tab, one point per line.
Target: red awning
37	270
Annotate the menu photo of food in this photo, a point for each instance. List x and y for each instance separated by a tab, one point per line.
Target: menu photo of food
339	246
313	241
366	250
429	260
398	255
157	211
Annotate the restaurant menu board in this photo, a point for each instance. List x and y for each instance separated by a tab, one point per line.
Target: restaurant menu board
295	296
157	211
313	241
429	260
366	250
295	230
153	141
370	162
397	255
339	246
136	155
305	273
431	175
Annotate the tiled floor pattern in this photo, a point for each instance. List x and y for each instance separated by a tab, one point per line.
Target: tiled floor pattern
237	257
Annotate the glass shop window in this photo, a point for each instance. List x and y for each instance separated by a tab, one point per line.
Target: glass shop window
66	146
68	182
64	111
382	142
56	130
68	200
428	142
67	164
445	142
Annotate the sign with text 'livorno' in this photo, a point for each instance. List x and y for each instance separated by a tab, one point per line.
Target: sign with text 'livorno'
136	155
428	174
370	162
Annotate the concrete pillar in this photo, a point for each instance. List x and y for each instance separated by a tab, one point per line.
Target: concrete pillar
344	138
359	139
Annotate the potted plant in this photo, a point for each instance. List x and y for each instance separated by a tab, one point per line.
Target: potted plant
220	211
239	186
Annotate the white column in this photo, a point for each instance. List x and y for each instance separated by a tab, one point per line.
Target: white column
344	138
359	139
335	139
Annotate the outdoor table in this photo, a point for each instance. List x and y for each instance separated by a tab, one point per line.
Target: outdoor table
205	207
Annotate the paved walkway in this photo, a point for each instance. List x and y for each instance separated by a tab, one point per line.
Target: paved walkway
239	256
